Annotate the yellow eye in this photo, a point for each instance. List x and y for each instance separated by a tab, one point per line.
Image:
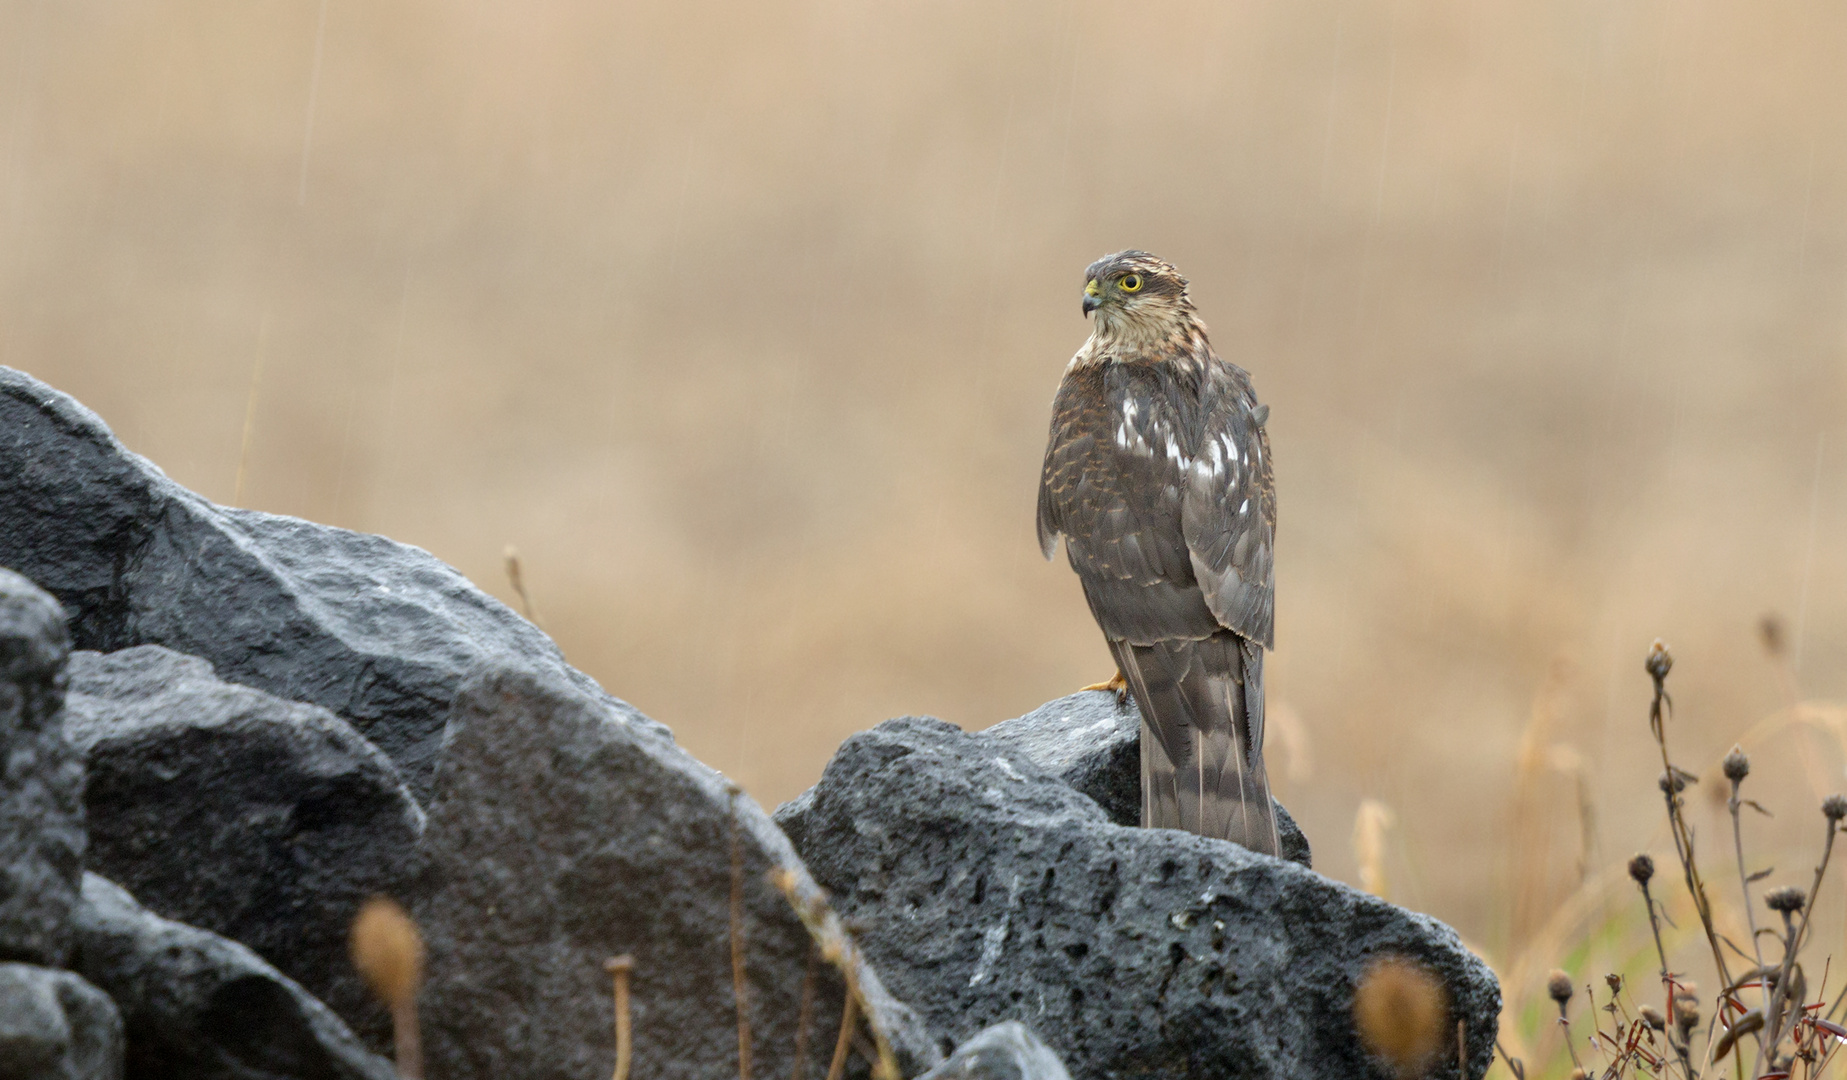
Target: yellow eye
1130	283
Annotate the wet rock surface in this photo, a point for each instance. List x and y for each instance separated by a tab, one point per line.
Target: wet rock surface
989	877
557	839
379	632
41	780
286	817
1093	744
196	1006
990	890
56	1026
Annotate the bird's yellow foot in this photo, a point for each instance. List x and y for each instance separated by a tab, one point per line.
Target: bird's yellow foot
1116	685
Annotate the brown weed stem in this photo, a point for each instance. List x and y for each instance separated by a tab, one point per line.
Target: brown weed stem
738	985
619	968
839	1065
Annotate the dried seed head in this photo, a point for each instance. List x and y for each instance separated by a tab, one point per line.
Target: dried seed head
1614	982
1659	661
1579	1074
1736	766
1686	1015
388	951
1672	783
1787	900
1641	868
1834	807
1558	987
1653	1018
1770	632
1401	1012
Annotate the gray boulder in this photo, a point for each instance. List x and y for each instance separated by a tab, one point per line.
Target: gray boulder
1006	1051
1093	743
55	1026
376	631
196	1006
989	890
263	820
558	839
41	779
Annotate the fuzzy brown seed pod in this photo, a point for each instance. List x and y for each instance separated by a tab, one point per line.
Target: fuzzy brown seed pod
1686	1015
1736	766
388	951
1834	807
1787	900
1614	982
1579	1074
1559	988
1641	868
1652	1017
1401	1012
1673	783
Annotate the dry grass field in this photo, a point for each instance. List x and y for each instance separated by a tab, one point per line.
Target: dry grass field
742	320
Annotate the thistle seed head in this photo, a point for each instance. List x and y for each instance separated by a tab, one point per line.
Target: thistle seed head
1736	766
1559	988
1834	807
1653	1018
1659	661
1787	900
1770	632
1641	868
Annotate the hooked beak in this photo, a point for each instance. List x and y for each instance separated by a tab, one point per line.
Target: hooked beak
1093	297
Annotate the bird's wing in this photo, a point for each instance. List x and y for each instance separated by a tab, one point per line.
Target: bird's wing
1228	516
1115	480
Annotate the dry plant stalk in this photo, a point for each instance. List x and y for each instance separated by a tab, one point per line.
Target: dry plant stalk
836	947
619	968
387	950
1791	1035
1532	827
804	1020
517	578
1675	780
739	985
1370	824
837	1068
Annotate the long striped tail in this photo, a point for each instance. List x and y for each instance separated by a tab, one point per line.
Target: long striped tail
1202	738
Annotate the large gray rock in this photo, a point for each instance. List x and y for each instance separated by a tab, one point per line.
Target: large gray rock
379	632
196	1006
41	779
557	839
990	890
56	1026
266	821
1093	743
1005	1051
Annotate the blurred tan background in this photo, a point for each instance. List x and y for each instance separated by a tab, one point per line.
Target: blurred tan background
742	321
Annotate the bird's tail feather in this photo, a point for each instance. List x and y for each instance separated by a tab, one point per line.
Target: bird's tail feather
1202	738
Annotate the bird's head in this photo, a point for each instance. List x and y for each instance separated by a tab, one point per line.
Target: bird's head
1133	290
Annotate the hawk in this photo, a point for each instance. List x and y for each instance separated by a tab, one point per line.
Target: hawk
1157	474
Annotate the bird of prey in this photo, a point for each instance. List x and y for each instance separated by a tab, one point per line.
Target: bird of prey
1157	474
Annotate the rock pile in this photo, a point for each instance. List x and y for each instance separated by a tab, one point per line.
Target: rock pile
279	719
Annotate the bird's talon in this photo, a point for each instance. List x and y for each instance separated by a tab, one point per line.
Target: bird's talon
1116	685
